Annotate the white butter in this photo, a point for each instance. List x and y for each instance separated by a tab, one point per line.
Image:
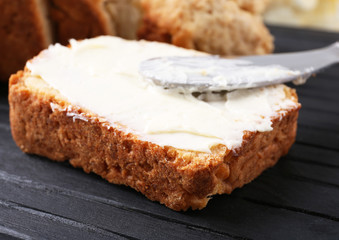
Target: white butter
101	75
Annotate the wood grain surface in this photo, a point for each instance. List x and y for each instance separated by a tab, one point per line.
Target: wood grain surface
296	199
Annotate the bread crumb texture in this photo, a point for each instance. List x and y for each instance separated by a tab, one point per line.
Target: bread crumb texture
43	123
217	27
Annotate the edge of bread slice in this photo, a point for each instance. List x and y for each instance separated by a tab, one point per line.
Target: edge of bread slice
79	19
24	32
43	122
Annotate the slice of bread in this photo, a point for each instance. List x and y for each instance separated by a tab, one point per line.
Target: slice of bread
87	104
217	27
125	15
78	19
24	32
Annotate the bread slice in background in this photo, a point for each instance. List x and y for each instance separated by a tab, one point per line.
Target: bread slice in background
214	26
29	26
24	32
46	122
217	27
253	6
126	15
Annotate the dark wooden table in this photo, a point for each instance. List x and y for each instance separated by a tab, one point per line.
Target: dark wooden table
296	199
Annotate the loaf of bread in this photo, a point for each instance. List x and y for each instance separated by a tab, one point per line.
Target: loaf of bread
81	19
253	6
78	19
216	26
87	104
24	32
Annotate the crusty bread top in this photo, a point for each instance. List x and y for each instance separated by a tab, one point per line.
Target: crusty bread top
101	75
218	27
254	6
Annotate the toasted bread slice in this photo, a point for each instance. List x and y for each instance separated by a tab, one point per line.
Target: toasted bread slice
83	104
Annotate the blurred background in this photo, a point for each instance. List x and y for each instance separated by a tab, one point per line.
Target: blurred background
316	14
24	32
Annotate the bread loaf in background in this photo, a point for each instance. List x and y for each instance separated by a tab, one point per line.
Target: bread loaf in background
221	27
254	6
78	19
217	27
81	19
24	32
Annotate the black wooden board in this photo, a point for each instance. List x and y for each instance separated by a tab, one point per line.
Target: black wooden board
296	199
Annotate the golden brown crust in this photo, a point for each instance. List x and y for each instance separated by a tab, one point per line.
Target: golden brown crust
217	27
23	34
79	19
124	16
179	179
253	6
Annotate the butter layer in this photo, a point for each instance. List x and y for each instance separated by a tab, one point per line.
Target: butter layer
101	75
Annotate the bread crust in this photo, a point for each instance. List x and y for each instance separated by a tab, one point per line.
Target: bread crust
23	34
79	19
217	27
253	6
44	123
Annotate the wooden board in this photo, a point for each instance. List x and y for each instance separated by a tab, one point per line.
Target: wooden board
296	199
